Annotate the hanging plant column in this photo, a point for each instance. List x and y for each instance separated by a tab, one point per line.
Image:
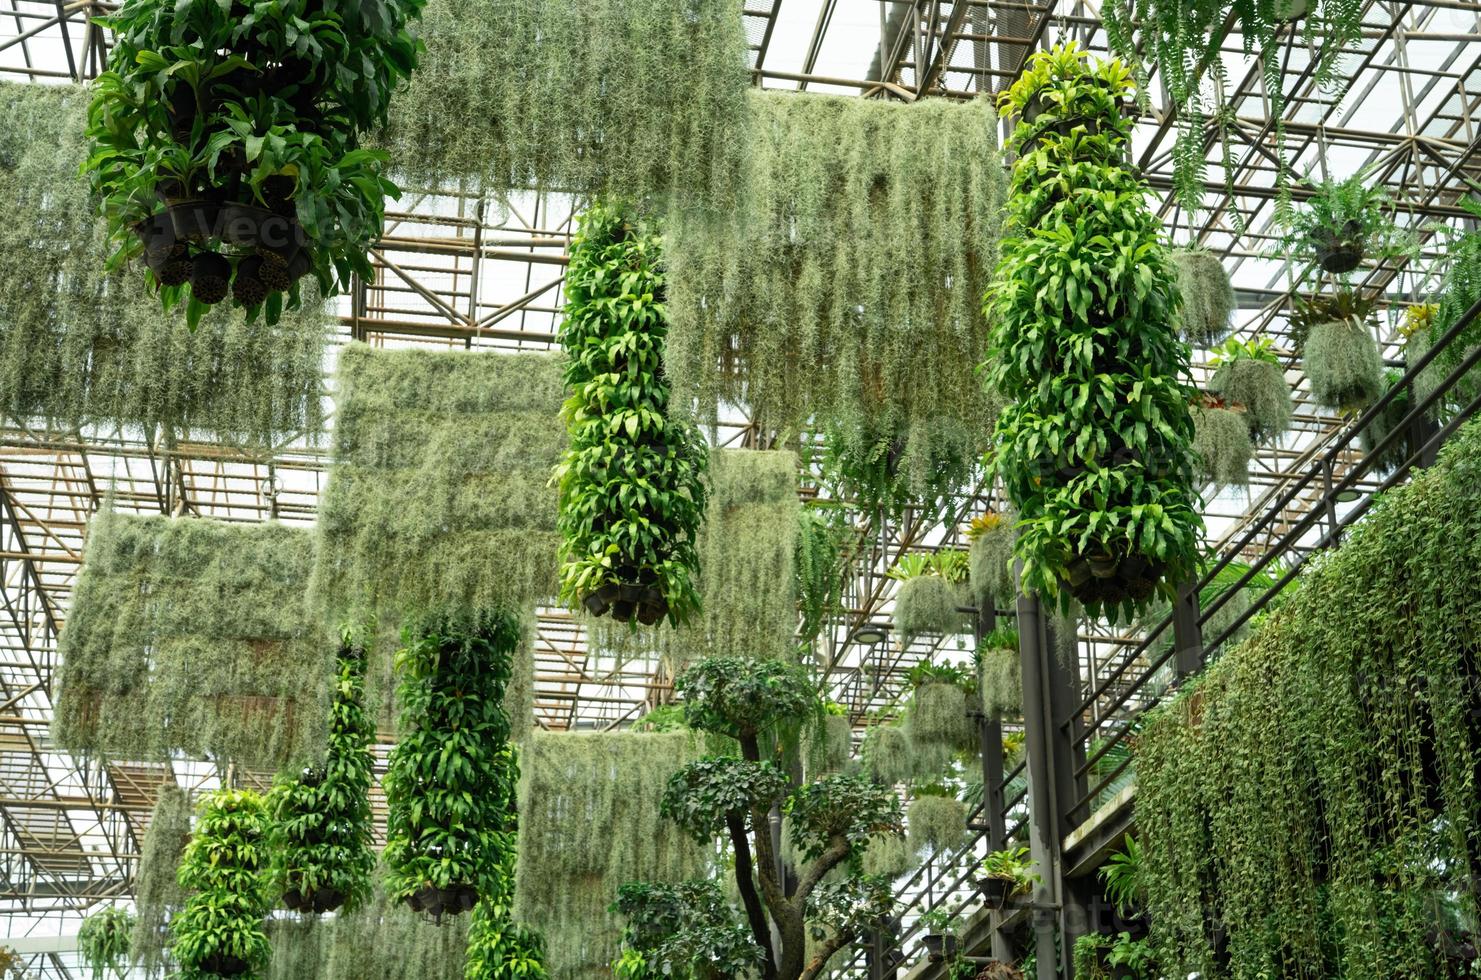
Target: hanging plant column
219	933
1095	453
321	818
631	485
225	143
449	788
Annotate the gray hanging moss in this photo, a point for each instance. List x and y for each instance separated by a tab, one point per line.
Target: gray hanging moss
1221	441
827	745
1208	298
888	755
79	347
990	558
383	940
938	717
1000	676
195	636
1343	365
936	824
929	604
157	892
890	856
439	496
588	823
847	289
1260	386
576	95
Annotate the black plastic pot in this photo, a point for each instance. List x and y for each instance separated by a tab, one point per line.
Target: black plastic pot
995	892
652	607
327	899
1103	566
224	964
157	232
1340	251
195	221
247	288
939	948
438	902
210	277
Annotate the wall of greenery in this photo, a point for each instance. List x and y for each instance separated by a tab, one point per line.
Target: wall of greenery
79	347
632	491
193	635
795	303
219	931
157	892
1314	793
1095	452
438	495
580	96
589	822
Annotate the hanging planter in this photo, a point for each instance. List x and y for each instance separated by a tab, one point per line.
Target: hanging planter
1343	365
1249	375
939	947
1000	675
1221	440
632	492
219	931
230	143
990	558
1344	223
1208	297
928	604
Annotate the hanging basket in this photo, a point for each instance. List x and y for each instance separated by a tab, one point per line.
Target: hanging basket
995	892
939	948
437	902
1340	251
1112	579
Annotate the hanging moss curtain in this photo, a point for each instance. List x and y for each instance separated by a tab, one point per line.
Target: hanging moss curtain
81	348
194	635
157	892
1315	792
588	823
383	940
439	496
636	97
846	289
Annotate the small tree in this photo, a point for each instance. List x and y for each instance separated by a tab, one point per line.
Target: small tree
687	930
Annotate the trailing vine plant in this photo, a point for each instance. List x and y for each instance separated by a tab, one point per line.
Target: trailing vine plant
831	822
104	940
321	820
632	493
219	932
157	891
450	781
1095	453
226	144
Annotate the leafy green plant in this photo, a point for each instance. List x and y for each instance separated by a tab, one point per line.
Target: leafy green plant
450	782
225	144
1098	956
685	930
929	604
104	939
1460	288
990	557
1122	874
936	824
830	823
1345	222
1011	864
219	931
631	484
938	713
1096	451
1000	675
1389	418
1221	441
1208	297
1183	42
794	304
888	755
826	542
321	820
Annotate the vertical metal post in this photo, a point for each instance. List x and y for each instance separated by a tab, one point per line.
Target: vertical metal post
1186	633
990	731
1044	838
1066	731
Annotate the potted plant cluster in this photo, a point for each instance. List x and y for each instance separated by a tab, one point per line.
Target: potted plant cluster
632	491
225	143
104	940
1096	449
219	932
1005	874
321	832
449	783
1344	223
1248	376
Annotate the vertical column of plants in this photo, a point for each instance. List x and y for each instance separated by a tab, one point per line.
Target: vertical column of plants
225	141
321	818
1095	452
449	786
219	932
631	485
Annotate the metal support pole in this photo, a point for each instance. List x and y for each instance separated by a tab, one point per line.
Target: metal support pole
1187	634
1043	824
990	731
1067	752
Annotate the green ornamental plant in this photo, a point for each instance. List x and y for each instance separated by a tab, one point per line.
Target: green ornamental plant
104	939
1096	451
937	825
1249	374
831	821
1208	297
1099	956
631	484
322	827
1013	866
226	143
1000	674
938	715
990	557
219	932
450	783
826	544
1344	223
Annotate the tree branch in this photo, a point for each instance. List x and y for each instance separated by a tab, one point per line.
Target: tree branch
825	953
837	851
755	915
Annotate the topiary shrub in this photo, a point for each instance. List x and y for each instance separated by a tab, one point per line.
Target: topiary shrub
937	825
193	635
1221	441
1208	297
577	96
80	347
157	891
450	778
928	604
1000	675
1096	452
794	304
219	932
104	940
938	717
1343	366
1250	375
321	820
990	558
631	485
